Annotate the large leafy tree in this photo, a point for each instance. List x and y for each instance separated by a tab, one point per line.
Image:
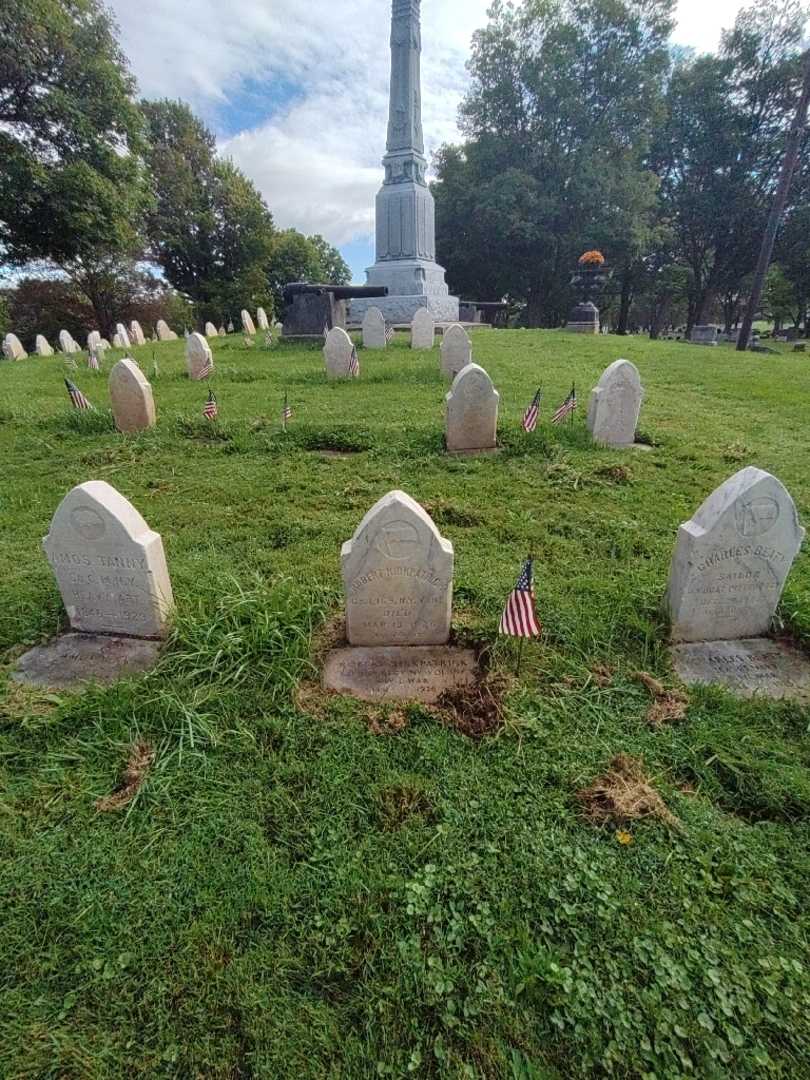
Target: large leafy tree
719	152
558	122
209	228
72	182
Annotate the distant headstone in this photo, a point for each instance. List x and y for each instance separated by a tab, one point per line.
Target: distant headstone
136	334
231	327
704	335
43	347
337	354
472	411
800	348
163	331
398	574
615	405
118	341
122	335
12	348
374	329
423	330
222	332
732	559
199	358
109	565
66	342
456	351
211	330
93	340
584	319
247	324
262	320
103	345
133	405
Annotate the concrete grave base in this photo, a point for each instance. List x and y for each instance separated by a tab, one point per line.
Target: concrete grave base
475	453
72	659
748	667
399	672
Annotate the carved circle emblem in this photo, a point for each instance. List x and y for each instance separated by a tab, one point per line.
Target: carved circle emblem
88	523
398	540
757	517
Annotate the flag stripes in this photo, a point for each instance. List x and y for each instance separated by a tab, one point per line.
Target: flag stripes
211	408
567	407
532	414
77	397
519	616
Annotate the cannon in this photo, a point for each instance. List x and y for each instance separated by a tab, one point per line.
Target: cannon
311	309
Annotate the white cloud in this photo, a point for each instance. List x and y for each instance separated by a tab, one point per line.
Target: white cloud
316	157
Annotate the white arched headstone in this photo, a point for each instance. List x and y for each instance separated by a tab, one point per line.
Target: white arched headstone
43	346
423	330
337	354
163	331
398	574
374	329
109	565
136	334
472	411
211	330
133	404
12	348
93	340
199	358
122	335
262	320
456	351
615	405
247	324
732	559
66	342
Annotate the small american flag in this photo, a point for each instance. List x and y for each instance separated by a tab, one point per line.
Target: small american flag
211	410
519	616
532	414
325	331
354	363
76	396
92	360
70	363
286	412
389	335
230	327
207	370
268	340
567	407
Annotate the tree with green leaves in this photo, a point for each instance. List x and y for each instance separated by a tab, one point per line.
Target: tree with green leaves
558	123
72	179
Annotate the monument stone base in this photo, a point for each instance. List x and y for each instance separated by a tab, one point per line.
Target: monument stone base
748	667
72	659
412	284
582	328
399	672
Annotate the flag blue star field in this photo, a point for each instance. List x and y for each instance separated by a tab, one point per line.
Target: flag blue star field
76	396
532	414
567	407
519	616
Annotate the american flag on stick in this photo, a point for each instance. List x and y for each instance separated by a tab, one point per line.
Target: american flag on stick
211	409
532	414
389	335
70	362
567	407
77	397
286	412
92	360
354	363
519	616
325	331
207	370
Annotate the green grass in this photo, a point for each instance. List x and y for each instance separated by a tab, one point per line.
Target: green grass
293	895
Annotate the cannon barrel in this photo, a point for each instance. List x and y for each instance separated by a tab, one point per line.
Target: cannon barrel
340	292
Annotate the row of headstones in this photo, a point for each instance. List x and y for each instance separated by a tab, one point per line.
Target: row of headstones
376	335
728	571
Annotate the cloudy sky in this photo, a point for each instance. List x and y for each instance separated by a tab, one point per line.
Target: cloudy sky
297	90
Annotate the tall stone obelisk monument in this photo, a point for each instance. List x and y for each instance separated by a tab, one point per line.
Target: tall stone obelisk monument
406	228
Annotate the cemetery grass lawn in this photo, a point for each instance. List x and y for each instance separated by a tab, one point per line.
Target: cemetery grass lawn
309	887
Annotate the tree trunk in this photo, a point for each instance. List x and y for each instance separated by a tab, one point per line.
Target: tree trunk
534	308
625	302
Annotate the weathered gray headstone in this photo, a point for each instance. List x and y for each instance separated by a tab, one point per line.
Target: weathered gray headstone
374	329
400	673
163	331
211	330
12	348
93	341
704	335
66	342
118	341
398	574
732	559
199	358
131	396
472	411
748	667
43	346
136	334
456	351
262	320
223	332
122	335
337	354
247	324
615	405
109	565
423	330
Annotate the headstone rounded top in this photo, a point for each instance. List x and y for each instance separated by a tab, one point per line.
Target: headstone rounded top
131	396
398	574
374	317
472	411
199	358
95	511
472	376
456	350
374	329
423	329
615	405
732	559
623	369
247	323
93	339
43	346
12	348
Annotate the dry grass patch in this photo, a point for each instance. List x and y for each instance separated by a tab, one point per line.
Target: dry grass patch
668	706
475	711
624	794
141	759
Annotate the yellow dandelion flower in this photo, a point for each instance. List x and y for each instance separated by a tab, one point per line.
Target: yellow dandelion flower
624	838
